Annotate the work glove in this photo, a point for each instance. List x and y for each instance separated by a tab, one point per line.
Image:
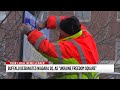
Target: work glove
25	29
41	25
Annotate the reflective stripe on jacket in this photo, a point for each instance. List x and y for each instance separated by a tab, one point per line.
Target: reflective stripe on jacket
79	48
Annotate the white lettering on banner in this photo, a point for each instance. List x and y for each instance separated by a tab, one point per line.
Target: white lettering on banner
60	68
77	68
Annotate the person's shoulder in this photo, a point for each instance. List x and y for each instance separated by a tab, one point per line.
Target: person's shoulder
83	27
64	42
51	17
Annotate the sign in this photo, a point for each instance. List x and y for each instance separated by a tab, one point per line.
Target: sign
30	19
29	52
23	67
33	21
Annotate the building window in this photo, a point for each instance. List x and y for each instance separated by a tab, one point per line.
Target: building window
118	15
3	14
83	16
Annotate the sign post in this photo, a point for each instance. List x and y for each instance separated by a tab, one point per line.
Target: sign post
28	53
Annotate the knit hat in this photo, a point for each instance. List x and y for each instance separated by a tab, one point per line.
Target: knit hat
70	25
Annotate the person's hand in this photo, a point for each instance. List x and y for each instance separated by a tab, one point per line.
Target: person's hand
41	25
25	29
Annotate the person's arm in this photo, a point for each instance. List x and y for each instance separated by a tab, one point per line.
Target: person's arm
52	22
52	50
42	45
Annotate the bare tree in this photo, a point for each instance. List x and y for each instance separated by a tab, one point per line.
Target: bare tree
105	37
10	38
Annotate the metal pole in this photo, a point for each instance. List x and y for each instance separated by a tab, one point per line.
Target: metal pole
23	75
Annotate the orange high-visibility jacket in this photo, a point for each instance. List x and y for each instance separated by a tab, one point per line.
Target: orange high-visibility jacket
79	48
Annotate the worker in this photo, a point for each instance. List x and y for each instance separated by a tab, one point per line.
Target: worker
75	45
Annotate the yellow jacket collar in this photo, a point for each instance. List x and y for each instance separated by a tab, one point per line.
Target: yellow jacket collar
72	36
